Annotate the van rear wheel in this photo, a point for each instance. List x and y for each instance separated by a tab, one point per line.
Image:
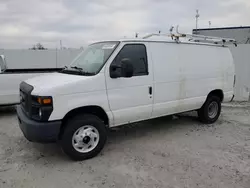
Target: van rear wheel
210	111
84	137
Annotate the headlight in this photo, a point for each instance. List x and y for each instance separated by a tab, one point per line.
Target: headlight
42	107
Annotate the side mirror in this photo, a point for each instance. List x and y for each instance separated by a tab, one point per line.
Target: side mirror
125	69
115	71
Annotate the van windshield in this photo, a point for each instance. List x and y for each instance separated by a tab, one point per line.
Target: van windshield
92	59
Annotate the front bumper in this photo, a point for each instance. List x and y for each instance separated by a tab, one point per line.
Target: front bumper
35	131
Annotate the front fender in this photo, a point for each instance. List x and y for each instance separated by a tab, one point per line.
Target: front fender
65	103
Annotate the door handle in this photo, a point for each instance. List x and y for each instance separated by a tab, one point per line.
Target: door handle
150	90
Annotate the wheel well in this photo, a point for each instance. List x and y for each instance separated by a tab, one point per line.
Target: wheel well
217	93
95	110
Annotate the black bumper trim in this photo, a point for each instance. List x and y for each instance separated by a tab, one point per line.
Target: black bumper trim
34	131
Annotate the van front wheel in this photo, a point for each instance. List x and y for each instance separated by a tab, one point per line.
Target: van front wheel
210	111
84	137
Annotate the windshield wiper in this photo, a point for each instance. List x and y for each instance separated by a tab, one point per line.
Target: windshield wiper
75	67
82	72
87	73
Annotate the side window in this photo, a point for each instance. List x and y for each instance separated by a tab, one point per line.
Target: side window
138	57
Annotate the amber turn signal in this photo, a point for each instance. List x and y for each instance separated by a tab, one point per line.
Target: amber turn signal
44	100
39	100
47	101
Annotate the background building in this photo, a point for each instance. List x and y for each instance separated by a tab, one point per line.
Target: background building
240	34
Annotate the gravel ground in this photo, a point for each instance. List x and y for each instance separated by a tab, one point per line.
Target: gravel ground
177	153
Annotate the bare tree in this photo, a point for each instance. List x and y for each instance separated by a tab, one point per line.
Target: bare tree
38	46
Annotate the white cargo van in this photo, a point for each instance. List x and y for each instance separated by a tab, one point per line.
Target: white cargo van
118	82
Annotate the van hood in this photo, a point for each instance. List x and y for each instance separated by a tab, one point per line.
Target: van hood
63	84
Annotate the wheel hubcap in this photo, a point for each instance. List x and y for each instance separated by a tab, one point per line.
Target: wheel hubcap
213	110
85	139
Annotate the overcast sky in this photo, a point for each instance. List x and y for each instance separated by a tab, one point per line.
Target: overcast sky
79	22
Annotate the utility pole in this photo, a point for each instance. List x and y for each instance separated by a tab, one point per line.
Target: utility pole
196	17
60	44
209	23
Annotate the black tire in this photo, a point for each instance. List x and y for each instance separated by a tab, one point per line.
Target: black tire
72	126
203	112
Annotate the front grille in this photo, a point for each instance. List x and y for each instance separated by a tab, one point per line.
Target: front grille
31	106
23	100
25	97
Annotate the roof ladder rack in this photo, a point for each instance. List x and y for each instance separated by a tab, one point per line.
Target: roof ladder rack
173	36
195	38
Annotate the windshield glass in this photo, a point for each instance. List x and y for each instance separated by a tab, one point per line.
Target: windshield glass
92	59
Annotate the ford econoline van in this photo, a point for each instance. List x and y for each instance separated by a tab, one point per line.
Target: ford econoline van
113	83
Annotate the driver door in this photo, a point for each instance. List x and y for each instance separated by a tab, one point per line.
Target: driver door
131	99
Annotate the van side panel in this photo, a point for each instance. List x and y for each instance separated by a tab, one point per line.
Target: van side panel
167	75
184	74
229	74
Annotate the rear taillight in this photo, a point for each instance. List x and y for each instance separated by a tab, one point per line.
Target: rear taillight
234	79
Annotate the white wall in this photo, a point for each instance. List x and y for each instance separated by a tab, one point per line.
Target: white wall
241	55
28	59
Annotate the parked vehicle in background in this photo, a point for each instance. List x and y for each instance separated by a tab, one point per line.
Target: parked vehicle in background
10	80
118	82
